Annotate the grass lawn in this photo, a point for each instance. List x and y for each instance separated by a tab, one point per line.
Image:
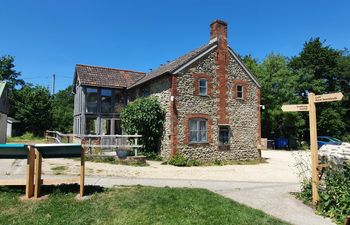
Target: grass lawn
128	205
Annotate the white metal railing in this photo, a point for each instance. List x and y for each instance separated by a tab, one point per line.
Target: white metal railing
106	143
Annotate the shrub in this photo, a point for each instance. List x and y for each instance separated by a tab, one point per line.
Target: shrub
144	116
178	160
335	196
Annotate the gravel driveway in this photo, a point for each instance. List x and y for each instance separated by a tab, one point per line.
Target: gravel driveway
264	186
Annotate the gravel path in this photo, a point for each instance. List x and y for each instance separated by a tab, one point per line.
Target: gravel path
264	186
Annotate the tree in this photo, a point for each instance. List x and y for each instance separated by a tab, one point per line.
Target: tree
146	117
8	73
278	87
323	69
62	110
32	107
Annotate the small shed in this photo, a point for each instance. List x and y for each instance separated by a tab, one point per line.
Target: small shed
12	127
4	110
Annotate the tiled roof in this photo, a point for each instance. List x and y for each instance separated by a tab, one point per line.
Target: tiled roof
173	65
106	77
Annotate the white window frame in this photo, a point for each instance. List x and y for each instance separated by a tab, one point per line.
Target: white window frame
199	86
198	130
242	92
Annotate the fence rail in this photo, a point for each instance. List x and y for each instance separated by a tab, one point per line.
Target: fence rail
100	144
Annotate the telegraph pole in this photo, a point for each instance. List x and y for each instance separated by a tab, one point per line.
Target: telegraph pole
53	83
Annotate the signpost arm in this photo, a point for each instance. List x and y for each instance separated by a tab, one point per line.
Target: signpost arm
313	147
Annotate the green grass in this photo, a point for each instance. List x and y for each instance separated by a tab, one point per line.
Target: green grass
27	138
58	170
128	205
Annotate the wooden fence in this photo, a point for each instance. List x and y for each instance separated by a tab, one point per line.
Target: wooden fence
100	145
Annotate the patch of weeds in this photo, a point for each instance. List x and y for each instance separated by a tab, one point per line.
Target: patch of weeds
152	156
59	170
115	160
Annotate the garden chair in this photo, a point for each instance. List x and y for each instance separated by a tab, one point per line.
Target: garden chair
20	151
58	151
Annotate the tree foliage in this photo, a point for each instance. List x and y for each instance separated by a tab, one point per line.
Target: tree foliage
317	68
146	117
62	110
32	107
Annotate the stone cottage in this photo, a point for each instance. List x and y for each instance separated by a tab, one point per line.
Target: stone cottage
4	109
212	101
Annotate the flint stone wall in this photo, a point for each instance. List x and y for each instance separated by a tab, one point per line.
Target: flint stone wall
243	120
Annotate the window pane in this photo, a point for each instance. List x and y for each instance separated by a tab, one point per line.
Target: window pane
193	136
224	135
202	83
119	102
203	136
91	100
117	127
239	91
106	92
202	86
91	126
203	125
105	126
202	90
193	125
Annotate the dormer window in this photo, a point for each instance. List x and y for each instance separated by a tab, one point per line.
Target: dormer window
203	86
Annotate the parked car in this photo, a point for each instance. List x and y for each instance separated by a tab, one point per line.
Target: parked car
322	140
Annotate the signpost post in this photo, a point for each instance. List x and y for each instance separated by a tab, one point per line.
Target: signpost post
313	132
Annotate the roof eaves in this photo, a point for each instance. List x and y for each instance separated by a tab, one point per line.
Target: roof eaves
194	59
244	67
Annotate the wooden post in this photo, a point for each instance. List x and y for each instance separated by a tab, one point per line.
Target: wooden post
30	173
313	147
82	172
136	143
311	108
38	161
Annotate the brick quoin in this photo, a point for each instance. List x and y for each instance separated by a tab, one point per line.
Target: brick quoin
218	29
196	77
187	126
245	88
259	116
173	117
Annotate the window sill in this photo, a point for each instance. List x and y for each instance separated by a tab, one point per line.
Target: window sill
198	143
224	147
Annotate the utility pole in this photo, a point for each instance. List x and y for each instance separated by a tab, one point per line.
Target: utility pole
53	83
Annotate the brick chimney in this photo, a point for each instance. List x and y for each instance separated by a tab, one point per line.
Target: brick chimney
218	29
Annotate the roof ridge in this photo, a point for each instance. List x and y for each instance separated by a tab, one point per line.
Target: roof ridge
103	67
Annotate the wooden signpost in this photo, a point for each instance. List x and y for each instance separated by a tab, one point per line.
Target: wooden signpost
313	132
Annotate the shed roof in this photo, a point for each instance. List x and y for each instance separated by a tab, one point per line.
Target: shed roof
106	77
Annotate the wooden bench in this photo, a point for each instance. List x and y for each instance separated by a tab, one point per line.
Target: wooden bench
20	151
58	151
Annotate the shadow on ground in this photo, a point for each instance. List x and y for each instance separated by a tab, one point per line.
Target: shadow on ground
62	188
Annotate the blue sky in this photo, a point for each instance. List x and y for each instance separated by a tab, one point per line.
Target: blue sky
50	36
